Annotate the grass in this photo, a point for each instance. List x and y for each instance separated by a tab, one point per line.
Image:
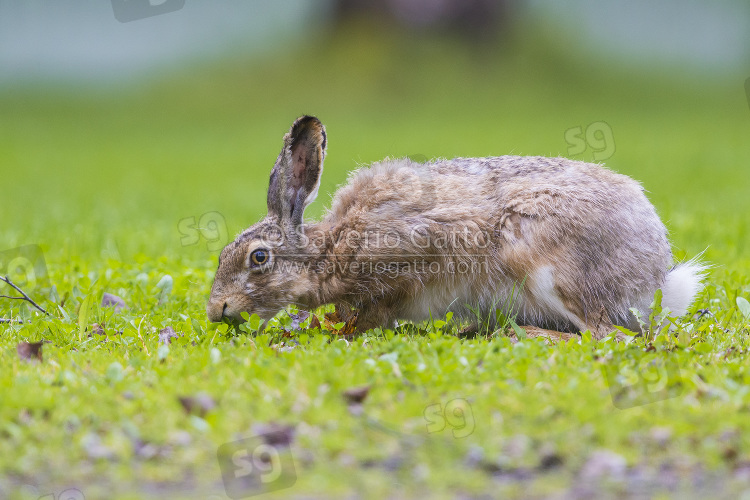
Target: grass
113	188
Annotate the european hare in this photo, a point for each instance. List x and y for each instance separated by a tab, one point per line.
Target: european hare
578	244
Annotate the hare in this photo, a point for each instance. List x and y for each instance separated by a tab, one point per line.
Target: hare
571	245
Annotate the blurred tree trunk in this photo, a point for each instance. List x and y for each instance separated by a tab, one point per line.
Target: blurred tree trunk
474	19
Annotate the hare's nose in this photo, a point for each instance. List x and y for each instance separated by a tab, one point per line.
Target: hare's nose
230	316
216	311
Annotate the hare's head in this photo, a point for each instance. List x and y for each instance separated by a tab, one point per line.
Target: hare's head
260	272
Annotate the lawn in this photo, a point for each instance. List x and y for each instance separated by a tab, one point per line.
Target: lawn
133	191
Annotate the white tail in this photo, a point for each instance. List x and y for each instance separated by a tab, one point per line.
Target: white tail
683	283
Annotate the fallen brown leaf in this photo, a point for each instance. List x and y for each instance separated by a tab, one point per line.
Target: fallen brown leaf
315	323
341	315
356	395
30	351
549	335
332	318
275	434
199	404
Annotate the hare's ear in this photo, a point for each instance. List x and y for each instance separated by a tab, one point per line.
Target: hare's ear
295	178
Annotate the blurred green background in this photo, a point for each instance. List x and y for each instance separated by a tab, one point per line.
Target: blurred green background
109	152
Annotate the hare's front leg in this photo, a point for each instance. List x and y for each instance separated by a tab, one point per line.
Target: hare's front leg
374	316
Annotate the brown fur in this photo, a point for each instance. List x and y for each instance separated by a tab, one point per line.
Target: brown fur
584	242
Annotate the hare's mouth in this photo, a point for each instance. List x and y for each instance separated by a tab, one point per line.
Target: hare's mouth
232	321
235	318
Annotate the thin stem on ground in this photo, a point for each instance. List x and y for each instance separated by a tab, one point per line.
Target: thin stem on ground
23	296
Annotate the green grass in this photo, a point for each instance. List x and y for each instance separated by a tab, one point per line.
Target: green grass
101	182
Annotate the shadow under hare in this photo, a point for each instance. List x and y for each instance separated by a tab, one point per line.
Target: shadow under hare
571	245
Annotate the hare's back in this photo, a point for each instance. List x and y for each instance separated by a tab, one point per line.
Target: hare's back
400	188
535	172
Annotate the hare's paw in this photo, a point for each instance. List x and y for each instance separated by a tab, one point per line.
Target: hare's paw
552	336
370	318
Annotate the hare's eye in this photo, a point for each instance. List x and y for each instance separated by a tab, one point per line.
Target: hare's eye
259	257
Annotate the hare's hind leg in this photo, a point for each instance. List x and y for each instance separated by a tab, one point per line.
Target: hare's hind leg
558	303
600	326
598	323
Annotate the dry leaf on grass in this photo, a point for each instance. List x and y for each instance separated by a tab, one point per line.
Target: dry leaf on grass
343	315
355	398
356	395
200	404
275	434
551	336
315	323
30	351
